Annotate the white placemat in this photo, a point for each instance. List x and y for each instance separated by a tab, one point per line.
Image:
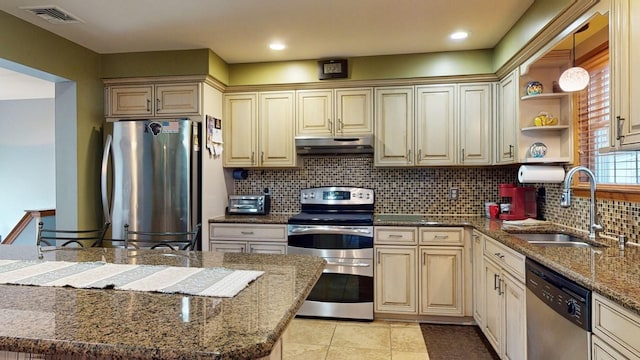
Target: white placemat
214	282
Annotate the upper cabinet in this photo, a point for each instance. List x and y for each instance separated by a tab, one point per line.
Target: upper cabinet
506	124
334	112
153	100
451	125
545	112
259	129
394	126
625	77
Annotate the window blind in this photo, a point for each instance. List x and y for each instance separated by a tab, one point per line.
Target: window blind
593	105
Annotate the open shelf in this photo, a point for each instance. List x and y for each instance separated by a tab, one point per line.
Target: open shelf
530	160
546	128
546	96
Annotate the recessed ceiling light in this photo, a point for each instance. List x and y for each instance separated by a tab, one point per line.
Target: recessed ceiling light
277	46
459	35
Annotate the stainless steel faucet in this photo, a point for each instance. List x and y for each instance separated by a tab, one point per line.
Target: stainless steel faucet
594	220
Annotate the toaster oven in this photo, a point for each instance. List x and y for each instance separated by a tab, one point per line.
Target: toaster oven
249	204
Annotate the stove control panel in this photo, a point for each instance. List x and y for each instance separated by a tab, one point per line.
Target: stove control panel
336	195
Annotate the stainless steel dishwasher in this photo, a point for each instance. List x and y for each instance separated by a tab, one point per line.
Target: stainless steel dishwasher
558	315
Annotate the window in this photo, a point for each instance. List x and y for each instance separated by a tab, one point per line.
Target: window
620	168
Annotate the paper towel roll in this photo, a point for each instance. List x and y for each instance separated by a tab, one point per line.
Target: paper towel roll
540	174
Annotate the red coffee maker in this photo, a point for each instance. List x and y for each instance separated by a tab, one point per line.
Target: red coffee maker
522	201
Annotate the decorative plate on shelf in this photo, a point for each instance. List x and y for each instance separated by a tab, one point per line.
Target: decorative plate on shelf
538	150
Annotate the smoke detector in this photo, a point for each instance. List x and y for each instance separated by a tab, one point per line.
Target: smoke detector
53	14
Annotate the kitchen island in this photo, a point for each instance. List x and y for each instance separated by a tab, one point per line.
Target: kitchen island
71	323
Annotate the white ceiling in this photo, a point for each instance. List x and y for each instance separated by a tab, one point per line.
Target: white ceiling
239	31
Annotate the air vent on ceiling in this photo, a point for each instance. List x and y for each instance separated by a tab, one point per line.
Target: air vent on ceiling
53	14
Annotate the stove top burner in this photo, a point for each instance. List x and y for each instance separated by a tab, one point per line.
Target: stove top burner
305	218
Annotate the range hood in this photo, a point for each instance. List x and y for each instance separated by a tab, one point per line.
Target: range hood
358	144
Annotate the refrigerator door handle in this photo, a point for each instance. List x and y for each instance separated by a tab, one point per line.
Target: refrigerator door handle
103	179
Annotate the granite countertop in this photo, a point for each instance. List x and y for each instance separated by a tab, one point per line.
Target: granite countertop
606	270
114	324
252	219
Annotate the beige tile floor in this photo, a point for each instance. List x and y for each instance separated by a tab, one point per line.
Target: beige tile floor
311	339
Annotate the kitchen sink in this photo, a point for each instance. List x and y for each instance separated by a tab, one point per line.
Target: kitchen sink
555	239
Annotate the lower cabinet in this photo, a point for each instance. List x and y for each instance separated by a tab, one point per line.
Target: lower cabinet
504	322
615	331
478	278
248	238
396	280
414	277
441	281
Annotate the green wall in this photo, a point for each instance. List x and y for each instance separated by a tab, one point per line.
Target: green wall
366	68
32	46
537	17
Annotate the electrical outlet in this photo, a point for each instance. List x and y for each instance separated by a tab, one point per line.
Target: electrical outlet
453	193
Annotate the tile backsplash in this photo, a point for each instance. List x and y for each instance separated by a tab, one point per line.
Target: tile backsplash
426	190
397	190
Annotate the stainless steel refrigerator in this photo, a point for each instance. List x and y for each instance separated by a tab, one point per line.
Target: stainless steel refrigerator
155	176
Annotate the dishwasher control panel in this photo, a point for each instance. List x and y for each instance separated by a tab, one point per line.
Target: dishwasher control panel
564	296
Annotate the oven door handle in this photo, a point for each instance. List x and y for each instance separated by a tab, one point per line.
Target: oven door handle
344	230
349	265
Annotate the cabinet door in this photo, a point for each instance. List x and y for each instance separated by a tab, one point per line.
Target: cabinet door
394	126
240	129
493	301
131	100
354	111
315	112
395	280
177	99
506	129
276	129
603	351
625	75
478	279
265	248
228	246
435	125
441	281
475	120
515	318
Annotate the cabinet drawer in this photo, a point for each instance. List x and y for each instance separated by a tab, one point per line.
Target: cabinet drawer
247	232
396	235
509	259
617	326
442	236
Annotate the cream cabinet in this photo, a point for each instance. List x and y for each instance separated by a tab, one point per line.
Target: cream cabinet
449	124
478	278
506	120
435	125
394	126
259	129
334	112
153	100
504	322
420	271
441	281
625	74
442	271
615	331
248	238
396	279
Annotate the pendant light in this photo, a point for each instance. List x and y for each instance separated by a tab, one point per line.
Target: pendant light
574	78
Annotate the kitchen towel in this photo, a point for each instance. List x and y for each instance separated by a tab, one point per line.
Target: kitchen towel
214	282
540	174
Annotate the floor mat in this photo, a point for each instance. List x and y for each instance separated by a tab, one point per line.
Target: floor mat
451	342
